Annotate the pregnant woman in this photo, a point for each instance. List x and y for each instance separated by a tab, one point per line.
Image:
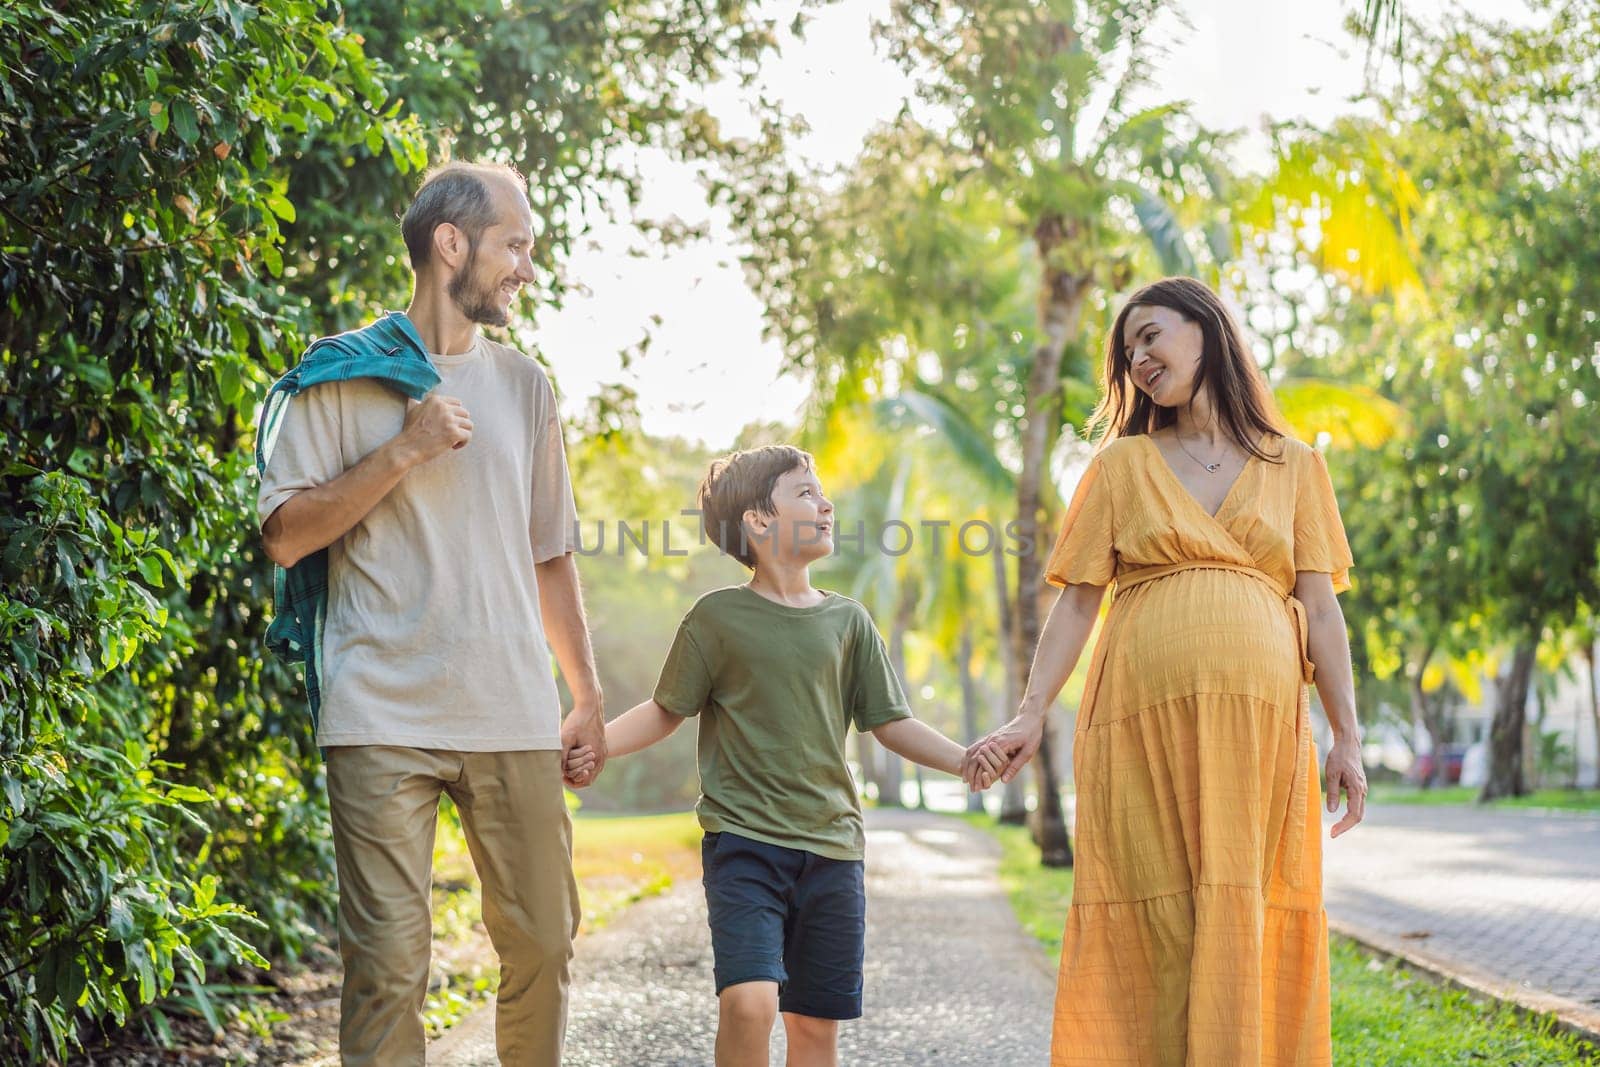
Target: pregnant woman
1196	933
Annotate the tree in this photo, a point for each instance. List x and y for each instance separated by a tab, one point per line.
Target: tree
140	214
567	92
1499	136
1088	194
1494	362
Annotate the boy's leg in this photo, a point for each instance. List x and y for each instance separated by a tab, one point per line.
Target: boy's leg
748	888
824	953
813	1042
516	823
385	805
745	1014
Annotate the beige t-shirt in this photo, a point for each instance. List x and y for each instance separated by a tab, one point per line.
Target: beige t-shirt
433	637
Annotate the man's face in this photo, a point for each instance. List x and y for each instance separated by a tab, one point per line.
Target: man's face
500	261
801	531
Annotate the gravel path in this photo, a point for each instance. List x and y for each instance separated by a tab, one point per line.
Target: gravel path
951	978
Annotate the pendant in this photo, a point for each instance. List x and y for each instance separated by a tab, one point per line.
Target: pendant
1211	468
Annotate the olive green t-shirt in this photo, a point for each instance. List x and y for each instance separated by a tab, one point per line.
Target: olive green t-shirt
777	689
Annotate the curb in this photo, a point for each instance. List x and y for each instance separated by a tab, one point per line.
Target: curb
1578	1019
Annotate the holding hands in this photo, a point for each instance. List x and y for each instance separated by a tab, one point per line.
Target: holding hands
1004	752
583	741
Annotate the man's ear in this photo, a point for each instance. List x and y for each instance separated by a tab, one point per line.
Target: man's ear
450	245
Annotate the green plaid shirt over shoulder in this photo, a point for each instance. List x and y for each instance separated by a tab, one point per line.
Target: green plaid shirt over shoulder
390	350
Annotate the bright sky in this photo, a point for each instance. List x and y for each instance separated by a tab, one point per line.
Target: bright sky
708	371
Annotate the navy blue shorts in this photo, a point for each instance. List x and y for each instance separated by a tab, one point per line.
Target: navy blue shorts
787	916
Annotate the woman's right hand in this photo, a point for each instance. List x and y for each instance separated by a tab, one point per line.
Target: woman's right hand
1017	741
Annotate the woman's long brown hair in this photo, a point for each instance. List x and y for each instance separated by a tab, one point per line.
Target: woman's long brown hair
1237	388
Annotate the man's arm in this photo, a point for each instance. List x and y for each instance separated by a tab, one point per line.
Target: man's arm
567	630
315	518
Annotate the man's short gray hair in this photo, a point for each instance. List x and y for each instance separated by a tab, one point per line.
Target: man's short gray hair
457	193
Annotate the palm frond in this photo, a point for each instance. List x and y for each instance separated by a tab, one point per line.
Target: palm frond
1165	233
966	442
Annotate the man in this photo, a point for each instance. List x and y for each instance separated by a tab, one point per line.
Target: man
449	528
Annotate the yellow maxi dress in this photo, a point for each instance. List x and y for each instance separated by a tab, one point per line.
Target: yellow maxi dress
1197	934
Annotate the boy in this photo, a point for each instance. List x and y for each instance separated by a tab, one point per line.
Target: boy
778	671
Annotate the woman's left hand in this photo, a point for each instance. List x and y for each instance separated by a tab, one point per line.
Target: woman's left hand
1345	773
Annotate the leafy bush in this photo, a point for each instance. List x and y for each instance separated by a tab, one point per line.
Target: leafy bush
148	783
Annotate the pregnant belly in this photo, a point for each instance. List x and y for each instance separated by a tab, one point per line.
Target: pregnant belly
1198	632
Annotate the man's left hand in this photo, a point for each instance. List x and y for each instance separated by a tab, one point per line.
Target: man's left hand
583	728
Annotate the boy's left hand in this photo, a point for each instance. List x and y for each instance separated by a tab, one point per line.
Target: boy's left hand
984	764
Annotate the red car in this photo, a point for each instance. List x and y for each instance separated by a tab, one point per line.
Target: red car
1422	769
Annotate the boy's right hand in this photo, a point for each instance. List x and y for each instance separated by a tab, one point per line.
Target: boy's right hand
580	762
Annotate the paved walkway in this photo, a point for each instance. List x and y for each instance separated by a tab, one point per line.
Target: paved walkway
1505	901
951	978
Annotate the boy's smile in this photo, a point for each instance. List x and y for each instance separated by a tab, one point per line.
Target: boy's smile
801	527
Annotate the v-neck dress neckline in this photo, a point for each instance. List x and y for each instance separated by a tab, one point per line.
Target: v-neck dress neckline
1227	498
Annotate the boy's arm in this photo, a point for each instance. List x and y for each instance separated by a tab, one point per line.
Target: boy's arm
921	743
640	727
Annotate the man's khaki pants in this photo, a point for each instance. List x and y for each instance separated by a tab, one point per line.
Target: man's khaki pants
385	804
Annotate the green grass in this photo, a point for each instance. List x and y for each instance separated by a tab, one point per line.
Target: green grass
1387	1015
622	859
1384	1014
1564	799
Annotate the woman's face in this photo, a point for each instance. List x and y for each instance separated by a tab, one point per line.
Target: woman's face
1163	350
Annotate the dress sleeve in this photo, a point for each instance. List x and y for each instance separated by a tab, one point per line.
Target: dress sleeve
1319	541
1084	551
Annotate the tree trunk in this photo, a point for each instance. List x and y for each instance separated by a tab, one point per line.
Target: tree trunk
1592	654
1060	306
1506	777
894	766
1430	726
1013	799
867	756
1435	719
969	702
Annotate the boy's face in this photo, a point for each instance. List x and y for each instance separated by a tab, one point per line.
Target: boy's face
801	531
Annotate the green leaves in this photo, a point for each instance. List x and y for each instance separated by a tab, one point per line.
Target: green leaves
279	205
147	169
184	121
189	189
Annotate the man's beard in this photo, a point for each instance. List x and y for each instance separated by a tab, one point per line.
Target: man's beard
474	299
